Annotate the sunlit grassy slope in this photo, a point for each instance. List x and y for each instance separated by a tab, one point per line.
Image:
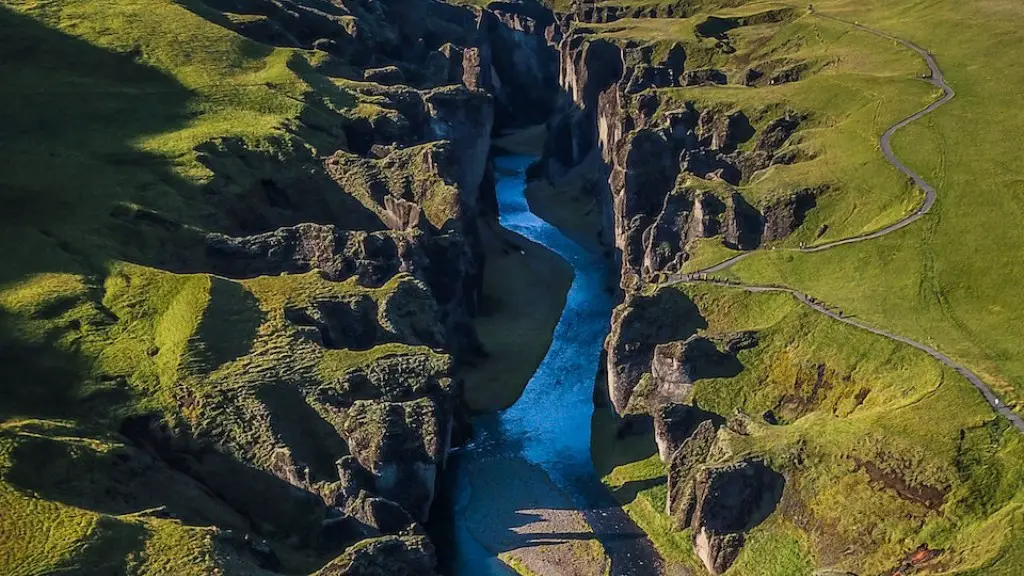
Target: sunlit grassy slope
104	106
951	279
878	402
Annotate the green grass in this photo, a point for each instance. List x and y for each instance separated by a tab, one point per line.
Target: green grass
950	279
857	86
129	130
880	402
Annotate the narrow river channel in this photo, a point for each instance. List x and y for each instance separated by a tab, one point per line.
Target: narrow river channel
527	479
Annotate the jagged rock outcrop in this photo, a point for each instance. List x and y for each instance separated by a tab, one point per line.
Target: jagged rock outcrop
594	11
687	215
404	445
784	216
719	502
519	39
465	118
639	324
704	76
673	374
743	224
385	556
683	465
729	500
373	257
673	424
655	155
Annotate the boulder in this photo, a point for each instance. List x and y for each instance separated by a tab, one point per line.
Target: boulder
729	500
682	467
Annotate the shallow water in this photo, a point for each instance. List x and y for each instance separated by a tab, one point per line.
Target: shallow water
549	426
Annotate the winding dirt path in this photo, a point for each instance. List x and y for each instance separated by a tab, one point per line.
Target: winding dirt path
937	79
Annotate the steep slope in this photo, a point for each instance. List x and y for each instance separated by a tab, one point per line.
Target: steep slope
241	261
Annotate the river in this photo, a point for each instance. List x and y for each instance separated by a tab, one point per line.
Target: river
529	468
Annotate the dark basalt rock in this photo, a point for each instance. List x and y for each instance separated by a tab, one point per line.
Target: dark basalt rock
783	217
673	424
519	36
729	500
380	514
687	215
682	467
723	132
704	76
648	168
386	76
464	117
404	445
671	369
638	325
385	556
776	133
743	224
645	77
338	254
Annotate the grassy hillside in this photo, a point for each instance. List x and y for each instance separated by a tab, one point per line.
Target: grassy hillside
130	131
883	448
949	280
866	427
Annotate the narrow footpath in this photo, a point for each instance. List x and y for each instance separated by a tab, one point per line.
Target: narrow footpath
937	79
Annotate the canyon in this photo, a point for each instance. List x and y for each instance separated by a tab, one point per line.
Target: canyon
269	339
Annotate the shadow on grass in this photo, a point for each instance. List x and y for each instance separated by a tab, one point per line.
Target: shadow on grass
39	379
79	191
629	491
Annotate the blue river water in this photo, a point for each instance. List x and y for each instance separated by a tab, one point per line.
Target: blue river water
549	426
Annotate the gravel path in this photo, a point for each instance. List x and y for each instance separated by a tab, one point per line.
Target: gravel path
936	78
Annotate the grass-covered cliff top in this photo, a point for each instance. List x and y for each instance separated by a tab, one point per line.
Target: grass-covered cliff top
950	279
131	129
947	280
883	449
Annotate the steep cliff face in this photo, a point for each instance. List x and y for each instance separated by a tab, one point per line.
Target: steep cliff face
674	166
675	175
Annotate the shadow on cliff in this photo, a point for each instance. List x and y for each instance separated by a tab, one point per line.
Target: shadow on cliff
79	192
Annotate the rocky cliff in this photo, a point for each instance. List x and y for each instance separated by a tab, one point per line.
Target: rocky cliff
673	176
256	335
675	166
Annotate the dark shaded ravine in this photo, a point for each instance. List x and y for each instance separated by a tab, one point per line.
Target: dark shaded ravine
536	454
937	79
